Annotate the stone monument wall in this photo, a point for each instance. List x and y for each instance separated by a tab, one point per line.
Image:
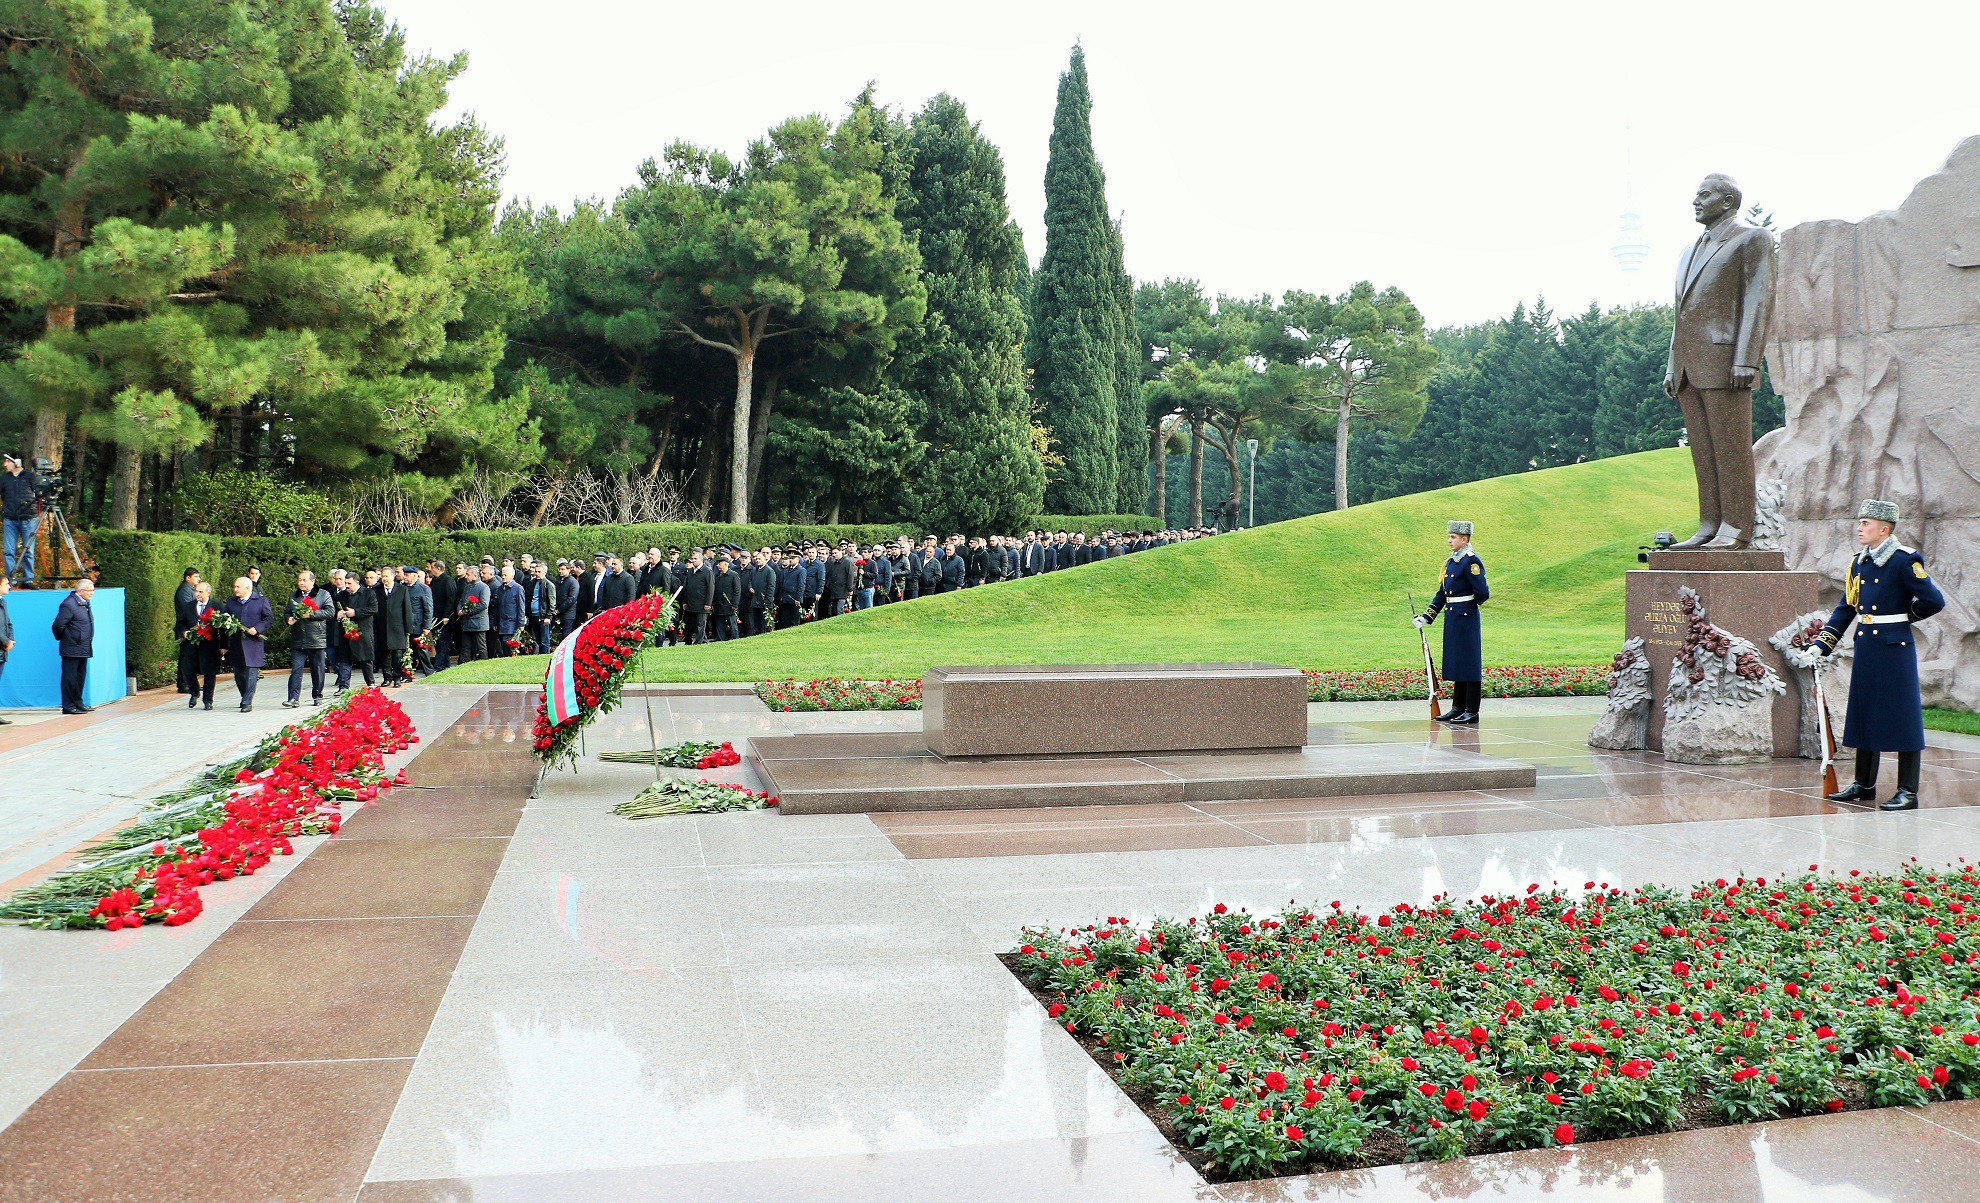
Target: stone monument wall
1875	347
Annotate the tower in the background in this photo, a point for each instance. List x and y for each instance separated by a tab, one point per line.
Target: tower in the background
1630	250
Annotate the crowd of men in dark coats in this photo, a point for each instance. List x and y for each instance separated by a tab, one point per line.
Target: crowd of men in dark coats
731	592
388	624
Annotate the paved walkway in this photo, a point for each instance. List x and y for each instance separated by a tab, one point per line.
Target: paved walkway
470	994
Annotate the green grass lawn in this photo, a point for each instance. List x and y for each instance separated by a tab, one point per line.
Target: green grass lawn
1953	720
1325	591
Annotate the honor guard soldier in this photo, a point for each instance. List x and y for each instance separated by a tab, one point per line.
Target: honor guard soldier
1458	598
1885	590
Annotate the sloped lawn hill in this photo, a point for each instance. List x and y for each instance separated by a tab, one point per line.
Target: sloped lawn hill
1326	591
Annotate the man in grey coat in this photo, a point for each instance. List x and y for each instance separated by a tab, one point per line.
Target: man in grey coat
472	610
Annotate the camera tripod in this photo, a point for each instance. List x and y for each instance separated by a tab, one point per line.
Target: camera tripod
60	525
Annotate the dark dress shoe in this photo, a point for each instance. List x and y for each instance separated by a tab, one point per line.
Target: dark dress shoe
1855	791
1904	799
1447	716
192	703
209	705
1467	719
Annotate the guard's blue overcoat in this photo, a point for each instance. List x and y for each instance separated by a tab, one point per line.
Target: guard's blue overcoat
1457	598
1884	711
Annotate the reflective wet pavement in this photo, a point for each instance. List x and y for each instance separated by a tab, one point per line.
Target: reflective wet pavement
469	996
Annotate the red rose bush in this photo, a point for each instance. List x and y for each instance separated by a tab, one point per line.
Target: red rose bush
606	648
1324	1037
229	822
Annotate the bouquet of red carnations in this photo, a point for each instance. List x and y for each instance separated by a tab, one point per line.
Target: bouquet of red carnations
213	625
229	822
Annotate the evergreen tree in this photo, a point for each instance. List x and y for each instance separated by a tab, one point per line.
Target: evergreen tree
797	242
966	363
1073	347
1131	417
244	214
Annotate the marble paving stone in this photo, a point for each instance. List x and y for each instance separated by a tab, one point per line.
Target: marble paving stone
1125	1165
1387	804
1885	1156
1065	872
771	839
843	912
295	991
446	812
1688	808
838	747
1326	829
1893	837
1759	847
997	916
926	822
1186	866
46	1030
1617	785
528	1073
1961	1116
235	1130
842	786
719	725
1039	840
574	839
648	921
1470	866
1957	816
351	879
918	1054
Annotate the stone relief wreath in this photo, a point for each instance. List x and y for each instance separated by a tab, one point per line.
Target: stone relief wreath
1718	705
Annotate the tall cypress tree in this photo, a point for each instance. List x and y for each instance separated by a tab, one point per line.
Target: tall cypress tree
1130	413
966	363
1073	347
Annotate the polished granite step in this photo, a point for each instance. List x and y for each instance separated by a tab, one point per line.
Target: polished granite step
888	771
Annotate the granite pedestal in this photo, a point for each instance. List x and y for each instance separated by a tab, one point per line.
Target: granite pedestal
1032	710
1099	735
1748	593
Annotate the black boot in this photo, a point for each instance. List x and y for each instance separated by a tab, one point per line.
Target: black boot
1863	790
1906	797
1465	703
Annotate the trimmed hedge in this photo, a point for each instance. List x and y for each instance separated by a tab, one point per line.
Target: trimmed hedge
1092	524
148	566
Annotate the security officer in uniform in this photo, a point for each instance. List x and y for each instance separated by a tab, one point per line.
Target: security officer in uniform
1458	598
1885	590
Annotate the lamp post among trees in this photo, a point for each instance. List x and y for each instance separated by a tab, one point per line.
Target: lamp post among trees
1251	489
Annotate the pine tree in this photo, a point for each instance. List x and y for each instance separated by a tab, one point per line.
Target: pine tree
245	214
1074	343
966	363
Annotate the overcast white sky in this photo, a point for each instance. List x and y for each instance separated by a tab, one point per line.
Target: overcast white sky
1473	154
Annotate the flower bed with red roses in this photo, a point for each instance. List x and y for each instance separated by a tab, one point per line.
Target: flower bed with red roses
1322	685
1324	1038
606	648
840	693
229	822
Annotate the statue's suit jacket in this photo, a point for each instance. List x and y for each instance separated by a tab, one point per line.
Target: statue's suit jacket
1725	294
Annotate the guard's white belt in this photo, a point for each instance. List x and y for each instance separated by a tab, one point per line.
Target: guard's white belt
1452	600
1877	620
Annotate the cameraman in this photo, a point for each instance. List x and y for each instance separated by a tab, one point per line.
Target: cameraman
19	515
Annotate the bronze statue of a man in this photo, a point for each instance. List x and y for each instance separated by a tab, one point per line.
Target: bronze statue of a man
1725	293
